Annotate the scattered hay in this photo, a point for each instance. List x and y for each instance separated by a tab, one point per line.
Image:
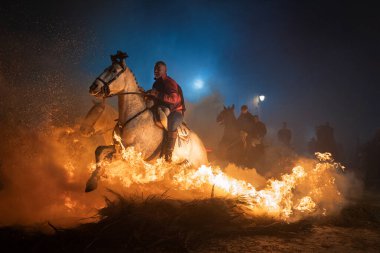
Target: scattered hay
159	224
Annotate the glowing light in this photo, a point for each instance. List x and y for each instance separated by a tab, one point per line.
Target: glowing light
262	98
198	84
299	193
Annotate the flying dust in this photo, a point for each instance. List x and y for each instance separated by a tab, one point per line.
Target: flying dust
43	174
45	162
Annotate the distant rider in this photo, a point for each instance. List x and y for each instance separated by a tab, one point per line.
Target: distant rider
246	122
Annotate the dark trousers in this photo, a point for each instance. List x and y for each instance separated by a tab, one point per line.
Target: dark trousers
174	120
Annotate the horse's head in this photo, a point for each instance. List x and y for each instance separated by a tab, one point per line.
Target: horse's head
227	115
108	83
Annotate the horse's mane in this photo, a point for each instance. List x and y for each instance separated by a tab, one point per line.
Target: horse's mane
134	76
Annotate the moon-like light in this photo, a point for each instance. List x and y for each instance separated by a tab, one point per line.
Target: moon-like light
262	98
198	84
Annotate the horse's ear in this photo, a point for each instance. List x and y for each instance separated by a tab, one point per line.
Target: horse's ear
122	56
224	107
233	106
119	57
113	58
123	64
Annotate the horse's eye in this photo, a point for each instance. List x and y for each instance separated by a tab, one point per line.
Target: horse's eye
114	71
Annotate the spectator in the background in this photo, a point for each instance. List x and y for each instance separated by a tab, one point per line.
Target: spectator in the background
326	140
284	135
370	162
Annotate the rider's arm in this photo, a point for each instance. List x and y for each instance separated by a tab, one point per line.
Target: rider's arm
172	98
171	94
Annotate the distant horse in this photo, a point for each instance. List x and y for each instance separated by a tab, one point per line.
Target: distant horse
100	121
136	125
231	146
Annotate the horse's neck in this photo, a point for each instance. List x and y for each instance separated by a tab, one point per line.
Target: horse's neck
129	104
231	128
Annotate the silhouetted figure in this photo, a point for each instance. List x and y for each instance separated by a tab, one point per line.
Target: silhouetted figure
259	131
246	127
325	141
284	135
259	128
370	162
246	122
231	145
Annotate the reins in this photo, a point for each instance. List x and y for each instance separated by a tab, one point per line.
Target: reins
126	93
106	91
121	126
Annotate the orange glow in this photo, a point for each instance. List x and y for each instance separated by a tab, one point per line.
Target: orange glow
296	194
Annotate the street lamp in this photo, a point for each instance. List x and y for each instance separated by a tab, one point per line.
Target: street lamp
257	100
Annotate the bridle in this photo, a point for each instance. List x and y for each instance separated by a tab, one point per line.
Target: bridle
106	90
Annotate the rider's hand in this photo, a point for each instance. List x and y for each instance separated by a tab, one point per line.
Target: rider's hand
153	93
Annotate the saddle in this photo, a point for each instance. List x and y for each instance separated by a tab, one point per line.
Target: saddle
160	116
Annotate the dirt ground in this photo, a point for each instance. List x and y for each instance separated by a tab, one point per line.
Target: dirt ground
319	239
205	226
355	230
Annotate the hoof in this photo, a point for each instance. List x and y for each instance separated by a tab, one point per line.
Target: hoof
92	184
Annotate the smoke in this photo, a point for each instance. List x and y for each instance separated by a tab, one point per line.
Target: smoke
40	111
331	191
202	119
38	144
44	162
43	175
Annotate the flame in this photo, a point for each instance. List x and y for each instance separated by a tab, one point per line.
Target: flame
299	193
69	203
70	169
306	204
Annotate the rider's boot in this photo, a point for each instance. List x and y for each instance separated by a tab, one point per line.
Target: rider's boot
170	144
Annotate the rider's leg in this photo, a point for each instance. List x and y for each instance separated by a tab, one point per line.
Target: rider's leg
174	120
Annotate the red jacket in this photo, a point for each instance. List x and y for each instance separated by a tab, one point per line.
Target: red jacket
169	93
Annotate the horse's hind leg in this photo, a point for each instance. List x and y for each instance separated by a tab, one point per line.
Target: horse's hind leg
101	153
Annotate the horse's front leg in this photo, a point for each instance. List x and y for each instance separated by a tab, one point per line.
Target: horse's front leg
102	153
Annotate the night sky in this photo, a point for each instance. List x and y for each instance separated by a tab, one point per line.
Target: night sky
316	61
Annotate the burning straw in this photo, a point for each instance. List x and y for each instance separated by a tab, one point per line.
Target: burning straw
308	190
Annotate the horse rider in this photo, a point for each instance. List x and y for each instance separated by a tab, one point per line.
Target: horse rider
260	130
245	122
168	93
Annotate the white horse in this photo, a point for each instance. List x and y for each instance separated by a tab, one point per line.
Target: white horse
135	124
